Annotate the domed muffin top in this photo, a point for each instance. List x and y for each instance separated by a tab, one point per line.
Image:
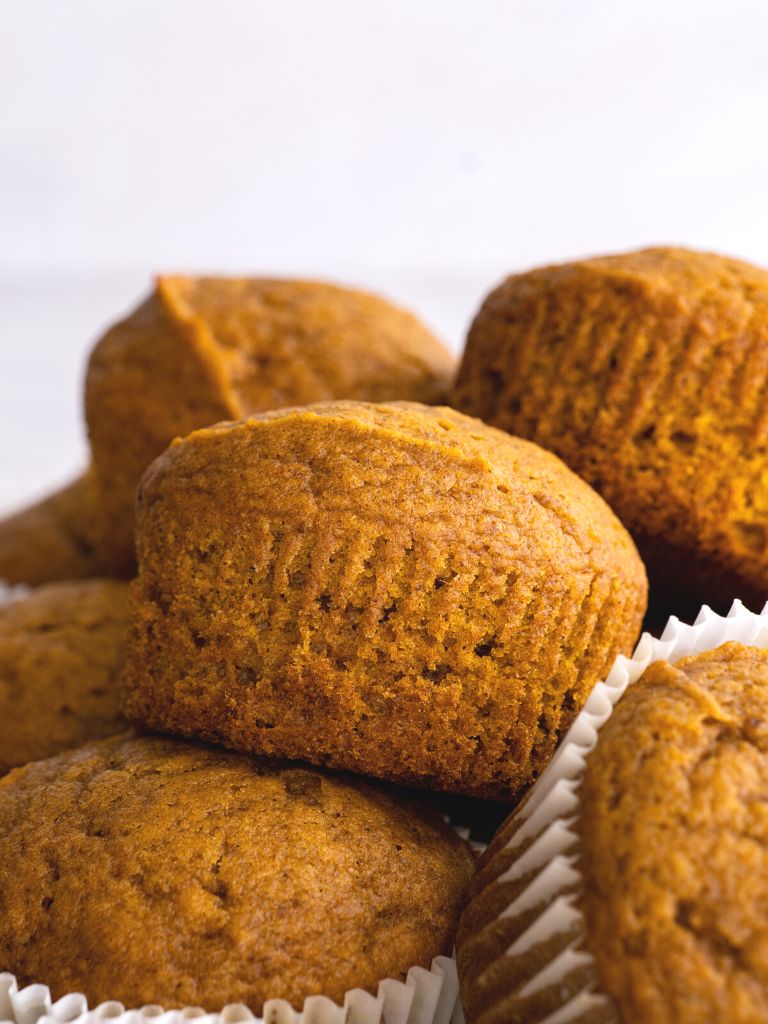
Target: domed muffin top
646	372
204	349
154	871
61	655
392	589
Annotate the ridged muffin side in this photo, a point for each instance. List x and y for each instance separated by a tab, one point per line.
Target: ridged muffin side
393	589
647	373
200	350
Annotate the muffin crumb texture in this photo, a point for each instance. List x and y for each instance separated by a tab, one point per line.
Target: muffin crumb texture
674	843
61	655
395	589
646	372
200	350
150	870
54	539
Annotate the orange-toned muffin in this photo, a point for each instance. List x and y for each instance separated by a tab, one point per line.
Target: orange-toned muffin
179	874
61	654
54	539
672	863
391	589
647	373
200	350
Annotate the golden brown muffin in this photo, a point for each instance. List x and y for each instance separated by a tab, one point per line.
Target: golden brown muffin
200	350
61	654
673	827
674	834
178	874
391	589
647	373
54	539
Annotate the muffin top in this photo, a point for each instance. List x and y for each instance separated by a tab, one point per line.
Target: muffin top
286	342
646	372
394	589
154	871
53	539
201	350
61	654
674	843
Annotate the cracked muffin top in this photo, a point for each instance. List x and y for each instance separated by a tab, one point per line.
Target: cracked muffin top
61	655
200	350
646	372
394	589
674	843
150	870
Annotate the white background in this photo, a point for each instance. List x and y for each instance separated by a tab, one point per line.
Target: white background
422	149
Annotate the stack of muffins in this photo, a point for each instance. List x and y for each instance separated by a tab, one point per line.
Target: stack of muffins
344	587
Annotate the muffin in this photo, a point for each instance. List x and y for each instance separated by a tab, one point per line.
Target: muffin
670	850
391	589
646	373
200	350
215	878
52	540
61	654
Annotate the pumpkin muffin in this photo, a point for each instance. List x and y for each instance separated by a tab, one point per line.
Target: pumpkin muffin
673	859
52	540
61	654
395	590
200	350
180	874
647	373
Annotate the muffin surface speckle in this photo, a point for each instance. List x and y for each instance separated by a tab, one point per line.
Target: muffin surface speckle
646	373
391	589
150	870
61	655
674	843
200	350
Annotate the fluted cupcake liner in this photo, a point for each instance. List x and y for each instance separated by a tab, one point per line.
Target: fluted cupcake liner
545	830
427	996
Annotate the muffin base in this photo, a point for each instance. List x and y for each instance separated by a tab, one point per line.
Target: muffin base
425	997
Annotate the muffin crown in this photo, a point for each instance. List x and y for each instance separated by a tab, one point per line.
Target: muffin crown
647	373
61	656
393	589
185	875
204	349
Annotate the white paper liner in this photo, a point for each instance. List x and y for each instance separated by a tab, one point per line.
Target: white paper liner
549	814
425	997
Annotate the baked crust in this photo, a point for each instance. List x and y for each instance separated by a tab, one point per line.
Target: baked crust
200	350
61	655
647	373
150	870
396	590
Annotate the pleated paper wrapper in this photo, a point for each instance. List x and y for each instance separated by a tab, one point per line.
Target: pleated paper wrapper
425	997
546	825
